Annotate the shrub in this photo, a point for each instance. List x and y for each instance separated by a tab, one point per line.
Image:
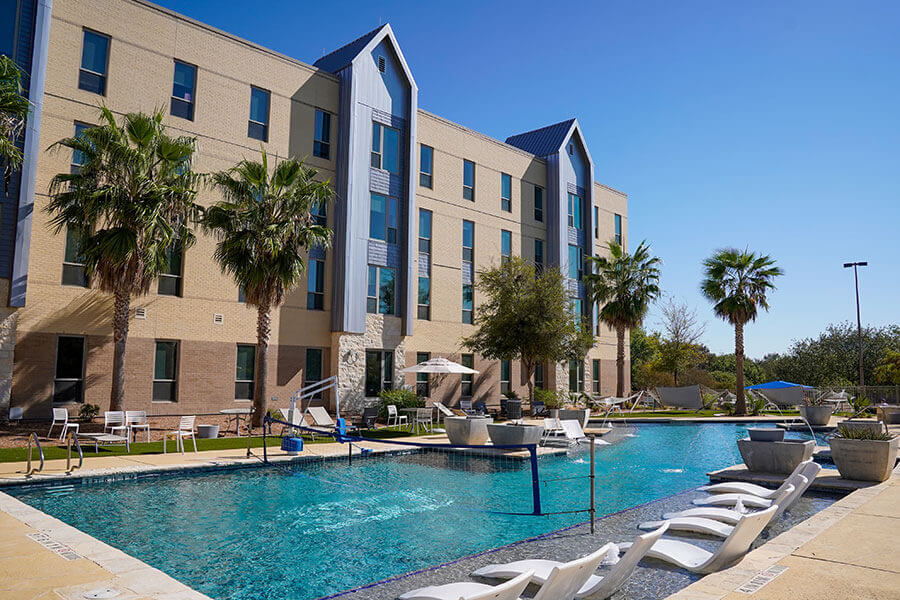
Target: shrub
401	398
862	434
87	412
858	403
511	395
552	399
755	404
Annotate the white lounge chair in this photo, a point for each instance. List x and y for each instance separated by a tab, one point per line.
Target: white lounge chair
113	421
467	590
185	430
562	582
696	559
294	417
808	472
597	587
394	418
61	418
807	468
136	420
732	499
552	429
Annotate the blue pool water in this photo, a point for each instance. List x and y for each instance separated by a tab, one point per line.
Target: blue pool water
307	531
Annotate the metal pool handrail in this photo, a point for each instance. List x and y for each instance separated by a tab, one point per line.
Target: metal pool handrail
69	438
28	470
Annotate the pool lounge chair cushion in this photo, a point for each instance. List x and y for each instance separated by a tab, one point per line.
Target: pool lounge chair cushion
805	468
699	525
469	590
726	515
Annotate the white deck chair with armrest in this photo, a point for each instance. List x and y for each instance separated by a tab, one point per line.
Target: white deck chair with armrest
597	587
136	420
61	418
696	559
185	430
552	428
807	468
113	420
469	590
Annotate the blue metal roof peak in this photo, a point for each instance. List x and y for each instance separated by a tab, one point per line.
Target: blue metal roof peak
543	141
343	56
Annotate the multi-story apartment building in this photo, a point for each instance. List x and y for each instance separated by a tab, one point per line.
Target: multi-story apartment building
422	204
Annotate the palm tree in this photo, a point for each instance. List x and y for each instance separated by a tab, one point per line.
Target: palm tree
13	112
265	227
736	282
130	201
624	285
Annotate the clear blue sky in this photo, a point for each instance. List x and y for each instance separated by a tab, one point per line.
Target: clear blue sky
770	125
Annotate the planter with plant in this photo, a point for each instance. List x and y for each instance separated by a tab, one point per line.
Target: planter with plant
88	412
863	454
816	411
555	401
774	456
573	412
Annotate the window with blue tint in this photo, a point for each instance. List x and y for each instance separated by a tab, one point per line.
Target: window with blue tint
424	291
322	140
78	156
575	262
73	272
426	166
381	291
315	286
183	90
505	192
468	241
423	311
596	222
538	204
170	277
469	180
94	60
576	308
372	290
617	225
424	231
378	217
258	126
468	303
575	209
505	245
385	148
539	253
244	372
320	213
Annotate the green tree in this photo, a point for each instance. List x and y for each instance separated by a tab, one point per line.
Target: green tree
681	333
624	285
737	283
13	112
265	227
525	316
131	200
888	370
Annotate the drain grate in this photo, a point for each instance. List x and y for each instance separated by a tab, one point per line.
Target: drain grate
101	593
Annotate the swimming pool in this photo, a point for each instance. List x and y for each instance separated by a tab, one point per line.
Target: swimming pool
306	531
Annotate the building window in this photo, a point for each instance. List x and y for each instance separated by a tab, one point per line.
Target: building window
576	376
244	371
77	156
68	381
423	386
505	376
468	258
183	90
258	126
385	148
575	207
595	376
322	140
379	371
468	255
469	180
596	319
576	307
538	204
383	218
465	389
426	166
468	303
315	285
381	291
576	263
424	292
73	262
94	61
505	192
424	302
242	297
312	372
425	232
596	222
539	375
165	371
539	254
617	228
170	277
505	245
319	213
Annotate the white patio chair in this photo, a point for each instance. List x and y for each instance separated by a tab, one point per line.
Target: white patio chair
597	587
114	420
511	590
61	418
552	429
395	419
424	416
807	470
698	560
185	430
136	420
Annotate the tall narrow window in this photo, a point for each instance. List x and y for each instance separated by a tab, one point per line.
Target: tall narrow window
575	306
576	376
539	375
94	60
505	376
315	285
78	158
505	245
170	277
468	254
322	140
258	125
575	209
538	204
423	386
165	372
379	371
617	227
595	376
184	90
68	381
539	254
505	192
312	372
383	218
596	319
381	295
424	290
320	213
385	148
469	180
596	222
468	259
244	372
466	360
73	262
426	166
576	263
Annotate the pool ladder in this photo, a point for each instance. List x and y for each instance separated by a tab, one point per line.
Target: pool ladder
69	439
28	470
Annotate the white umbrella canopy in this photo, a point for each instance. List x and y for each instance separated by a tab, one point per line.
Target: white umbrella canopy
439	365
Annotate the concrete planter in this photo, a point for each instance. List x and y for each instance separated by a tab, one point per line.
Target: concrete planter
467	431
817	416
766	434
207	432
575	414
775	457
514	435
889	414
873	426
864	460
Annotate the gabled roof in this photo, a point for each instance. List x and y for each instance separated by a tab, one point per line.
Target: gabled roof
344	55
544	141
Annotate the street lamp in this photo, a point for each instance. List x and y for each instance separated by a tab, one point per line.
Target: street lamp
858	321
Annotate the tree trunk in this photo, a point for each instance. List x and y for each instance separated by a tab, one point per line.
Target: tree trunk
740	405
263	331
620	362
529	379
121	310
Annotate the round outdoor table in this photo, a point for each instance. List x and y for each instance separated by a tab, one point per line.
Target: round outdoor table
237	415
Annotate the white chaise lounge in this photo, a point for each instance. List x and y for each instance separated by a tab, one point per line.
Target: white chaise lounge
597	587
808	470
511	590
805	468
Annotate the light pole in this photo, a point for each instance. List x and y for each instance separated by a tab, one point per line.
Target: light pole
862	382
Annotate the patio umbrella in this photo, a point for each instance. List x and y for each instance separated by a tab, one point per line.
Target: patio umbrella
775	385
439	365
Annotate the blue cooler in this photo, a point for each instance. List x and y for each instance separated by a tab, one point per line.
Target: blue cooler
292	445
